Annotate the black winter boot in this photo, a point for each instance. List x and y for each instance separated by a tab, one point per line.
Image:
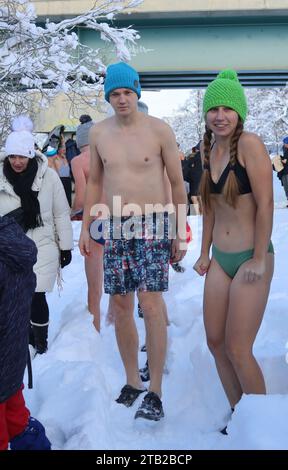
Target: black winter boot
40	338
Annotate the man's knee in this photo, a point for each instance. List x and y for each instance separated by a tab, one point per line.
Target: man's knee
120	306
152	307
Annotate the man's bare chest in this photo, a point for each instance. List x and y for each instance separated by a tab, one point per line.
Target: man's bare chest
136	155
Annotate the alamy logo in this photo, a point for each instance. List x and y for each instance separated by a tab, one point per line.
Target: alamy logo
125	222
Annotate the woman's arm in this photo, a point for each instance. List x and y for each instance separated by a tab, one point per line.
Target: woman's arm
207	230
202	264
259	170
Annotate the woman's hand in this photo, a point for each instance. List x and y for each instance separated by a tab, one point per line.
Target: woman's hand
65	258
202	265
254	270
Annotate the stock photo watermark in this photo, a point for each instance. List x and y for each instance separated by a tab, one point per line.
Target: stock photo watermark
156	221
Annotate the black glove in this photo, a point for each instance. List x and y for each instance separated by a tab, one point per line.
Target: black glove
65	257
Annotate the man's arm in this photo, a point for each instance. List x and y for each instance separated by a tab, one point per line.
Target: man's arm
170	155
259	170
93	191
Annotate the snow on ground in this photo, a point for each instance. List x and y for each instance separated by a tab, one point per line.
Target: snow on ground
77	381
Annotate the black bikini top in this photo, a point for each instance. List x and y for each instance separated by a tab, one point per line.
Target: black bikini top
241	175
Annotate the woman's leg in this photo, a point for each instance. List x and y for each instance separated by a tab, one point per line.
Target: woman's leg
216	300
94	275
246	309
39	322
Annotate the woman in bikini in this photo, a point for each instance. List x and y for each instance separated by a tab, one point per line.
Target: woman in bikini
237	194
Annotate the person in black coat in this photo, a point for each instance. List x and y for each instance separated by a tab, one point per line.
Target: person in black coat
192	172
284	172
17	284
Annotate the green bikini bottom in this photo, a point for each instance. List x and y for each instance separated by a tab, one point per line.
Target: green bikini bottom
231	262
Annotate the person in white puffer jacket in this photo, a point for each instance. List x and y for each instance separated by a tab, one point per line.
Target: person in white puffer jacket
33	194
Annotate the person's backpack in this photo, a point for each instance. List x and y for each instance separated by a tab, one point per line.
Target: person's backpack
71	149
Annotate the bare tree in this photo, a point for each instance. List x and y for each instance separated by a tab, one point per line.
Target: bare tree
188	123
268	115
50	59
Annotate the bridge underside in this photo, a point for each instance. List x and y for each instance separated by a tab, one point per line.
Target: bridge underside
189	52
198	79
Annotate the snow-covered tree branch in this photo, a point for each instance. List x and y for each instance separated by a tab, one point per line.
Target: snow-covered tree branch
268	115
50	59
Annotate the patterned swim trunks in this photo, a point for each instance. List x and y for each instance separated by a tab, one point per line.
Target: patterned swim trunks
137	258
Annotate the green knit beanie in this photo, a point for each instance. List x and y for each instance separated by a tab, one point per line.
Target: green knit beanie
226	90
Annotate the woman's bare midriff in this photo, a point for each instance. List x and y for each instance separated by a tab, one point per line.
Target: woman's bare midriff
234	228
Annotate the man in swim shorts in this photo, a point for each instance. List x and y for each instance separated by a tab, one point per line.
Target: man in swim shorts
129	153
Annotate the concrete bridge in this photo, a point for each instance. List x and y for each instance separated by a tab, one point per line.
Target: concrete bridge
189	41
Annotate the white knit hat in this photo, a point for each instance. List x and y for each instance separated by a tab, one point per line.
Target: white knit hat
21	141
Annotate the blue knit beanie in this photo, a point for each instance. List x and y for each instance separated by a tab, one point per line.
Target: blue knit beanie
285	140
121	75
